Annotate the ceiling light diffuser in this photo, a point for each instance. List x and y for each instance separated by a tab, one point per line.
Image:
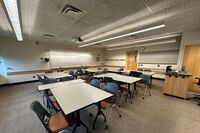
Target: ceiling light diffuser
12	10
142	45
143	40
124	35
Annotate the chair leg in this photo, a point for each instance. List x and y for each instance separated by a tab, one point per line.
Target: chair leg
116	108
110	112
149	91
75	128
122	98
145	91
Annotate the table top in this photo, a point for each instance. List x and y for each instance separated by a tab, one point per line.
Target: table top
60	84
57	75
147	73
121	78
93	70
77	96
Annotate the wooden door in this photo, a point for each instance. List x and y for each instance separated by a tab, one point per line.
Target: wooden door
132	61
191	62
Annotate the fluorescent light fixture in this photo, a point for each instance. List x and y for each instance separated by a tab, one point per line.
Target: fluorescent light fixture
144	40
124	35
149	44
12	9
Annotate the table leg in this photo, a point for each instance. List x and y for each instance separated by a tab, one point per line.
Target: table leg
99	112
129	93
79	122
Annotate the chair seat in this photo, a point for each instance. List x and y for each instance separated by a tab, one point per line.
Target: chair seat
123	89
59	121
140	85
105	104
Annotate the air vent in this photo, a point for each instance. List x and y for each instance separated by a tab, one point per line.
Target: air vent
69	9
49	36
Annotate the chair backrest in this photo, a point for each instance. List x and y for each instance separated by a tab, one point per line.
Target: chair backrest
95	83
107	79
145	79
46	80
135	74
68	78
49	81
49	71
42	114
125	74
121	69
111	87
140	69
147	70
105	69
71	72
99	72
40	78
76	74
50	104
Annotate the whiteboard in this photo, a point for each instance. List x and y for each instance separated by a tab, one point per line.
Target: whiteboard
159	57
69	59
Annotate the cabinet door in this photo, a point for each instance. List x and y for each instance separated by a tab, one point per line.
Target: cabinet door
176	85
184	86
168	84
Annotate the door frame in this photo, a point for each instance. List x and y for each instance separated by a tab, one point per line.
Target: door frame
131	52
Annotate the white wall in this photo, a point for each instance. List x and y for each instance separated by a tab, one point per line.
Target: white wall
25	55
116	54
191	37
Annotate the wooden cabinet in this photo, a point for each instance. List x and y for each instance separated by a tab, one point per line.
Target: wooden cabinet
176	85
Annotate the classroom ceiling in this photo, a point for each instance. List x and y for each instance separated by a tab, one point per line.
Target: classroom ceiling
101	19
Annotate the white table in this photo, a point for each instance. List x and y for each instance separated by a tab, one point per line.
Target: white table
77	96
147	73
93	70
121	78
57	75
73	98
60	84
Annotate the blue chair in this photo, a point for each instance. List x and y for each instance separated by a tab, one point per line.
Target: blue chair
125	74
76	74
71	73
111	88
107	80
68	78
135	74
144	84
109	104
95	83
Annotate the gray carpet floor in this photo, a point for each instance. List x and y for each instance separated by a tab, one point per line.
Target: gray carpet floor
156	114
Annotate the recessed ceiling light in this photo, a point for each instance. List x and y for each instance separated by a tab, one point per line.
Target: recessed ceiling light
124	35
12	10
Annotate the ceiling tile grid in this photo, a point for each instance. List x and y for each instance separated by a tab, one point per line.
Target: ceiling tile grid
101	18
